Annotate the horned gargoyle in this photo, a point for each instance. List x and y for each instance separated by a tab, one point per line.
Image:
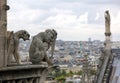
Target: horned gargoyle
40	45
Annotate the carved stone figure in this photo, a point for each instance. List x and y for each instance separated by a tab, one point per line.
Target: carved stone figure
107	23
13	43
107	17
39	46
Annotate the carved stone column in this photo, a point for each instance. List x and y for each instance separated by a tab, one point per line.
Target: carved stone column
3	32
86	70
104	71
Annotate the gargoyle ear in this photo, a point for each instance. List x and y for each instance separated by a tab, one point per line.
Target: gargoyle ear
54	32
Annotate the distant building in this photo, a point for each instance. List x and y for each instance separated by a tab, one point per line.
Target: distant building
74	79
89	40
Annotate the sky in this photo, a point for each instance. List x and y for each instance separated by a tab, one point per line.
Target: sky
74	20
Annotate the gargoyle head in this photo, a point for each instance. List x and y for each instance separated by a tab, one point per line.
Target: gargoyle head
24	35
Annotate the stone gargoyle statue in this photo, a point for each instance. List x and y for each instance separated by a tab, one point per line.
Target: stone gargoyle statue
13	44
40	45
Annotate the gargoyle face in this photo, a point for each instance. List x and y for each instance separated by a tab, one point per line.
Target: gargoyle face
51	36
26	35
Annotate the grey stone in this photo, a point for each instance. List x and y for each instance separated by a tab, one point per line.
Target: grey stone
39	46
13	43
3	30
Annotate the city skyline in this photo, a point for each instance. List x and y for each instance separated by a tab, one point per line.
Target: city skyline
73	20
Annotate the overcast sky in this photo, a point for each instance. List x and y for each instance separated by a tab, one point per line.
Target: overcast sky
72	19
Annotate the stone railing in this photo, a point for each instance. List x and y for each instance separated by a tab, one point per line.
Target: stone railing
25	73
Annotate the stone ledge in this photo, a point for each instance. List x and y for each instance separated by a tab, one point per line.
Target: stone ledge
25	73
22	67
21	72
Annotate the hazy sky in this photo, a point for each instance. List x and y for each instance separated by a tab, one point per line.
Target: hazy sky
72	19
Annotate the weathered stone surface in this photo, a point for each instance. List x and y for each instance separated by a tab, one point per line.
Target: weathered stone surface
13	43
25	73
104	70
107	23
40	45
3	29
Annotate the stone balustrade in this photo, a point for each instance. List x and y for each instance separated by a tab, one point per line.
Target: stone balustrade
24	73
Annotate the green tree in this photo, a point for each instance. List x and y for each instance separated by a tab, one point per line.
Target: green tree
60	79
63	72
79	72
93	72
70	74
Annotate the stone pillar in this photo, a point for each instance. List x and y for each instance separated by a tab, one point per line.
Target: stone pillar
107	30
3	32
103	75
86	71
